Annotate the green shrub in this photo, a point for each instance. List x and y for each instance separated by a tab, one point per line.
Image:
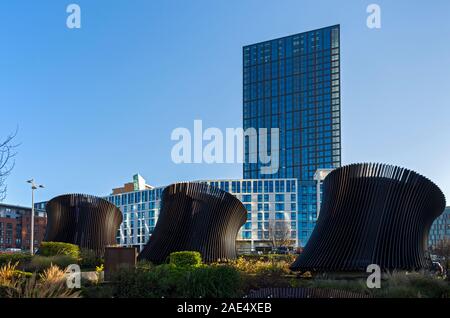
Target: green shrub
288	258
97	291
393	285
411	285
39	263
263	266
89	259
210	282
133	284
144	265
169	280
59	248
185	258
22	258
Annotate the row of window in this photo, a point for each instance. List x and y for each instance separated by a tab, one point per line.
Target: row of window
299	54
311	57
279	197
290	106
136	197
131	201
247	235
266	207
300	71
299	44
288	86
301	113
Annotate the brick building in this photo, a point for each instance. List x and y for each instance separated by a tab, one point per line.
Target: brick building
15	225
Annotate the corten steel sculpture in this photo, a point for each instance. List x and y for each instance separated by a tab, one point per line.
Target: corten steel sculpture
372	214
196	217
87	221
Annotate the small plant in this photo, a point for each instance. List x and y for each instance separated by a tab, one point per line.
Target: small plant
34	288
7	273
99	272
52	275
50	284
306	274
185	258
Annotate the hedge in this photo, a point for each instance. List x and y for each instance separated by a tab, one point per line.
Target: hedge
59	248
168	280
39	263
22	258
185	258
289	258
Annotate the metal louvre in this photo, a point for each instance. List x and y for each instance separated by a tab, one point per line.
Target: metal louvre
196	217
87	221
372	214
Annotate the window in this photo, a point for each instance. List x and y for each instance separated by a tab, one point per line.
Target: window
279	216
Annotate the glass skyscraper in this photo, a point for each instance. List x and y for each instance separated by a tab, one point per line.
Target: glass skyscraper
293	83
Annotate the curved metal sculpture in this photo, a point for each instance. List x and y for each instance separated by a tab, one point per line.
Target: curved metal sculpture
87	221
372	214
196	217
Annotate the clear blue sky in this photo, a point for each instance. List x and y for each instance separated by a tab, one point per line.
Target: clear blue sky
96	105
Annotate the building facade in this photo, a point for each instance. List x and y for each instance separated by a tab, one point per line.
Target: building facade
270	204
15	227
293	84
440	230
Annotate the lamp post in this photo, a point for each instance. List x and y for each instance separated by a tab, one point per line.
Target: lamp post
34	186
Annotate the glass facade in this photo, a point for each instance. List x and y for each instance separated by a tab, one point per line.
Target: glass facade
440	229
267	202
293	83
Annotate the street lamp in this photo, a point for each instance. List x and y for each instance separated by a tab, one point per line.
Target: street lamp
34	186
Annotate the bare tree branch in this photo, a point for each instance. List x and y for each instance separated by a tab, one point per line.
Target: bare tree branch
7	162
280	234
